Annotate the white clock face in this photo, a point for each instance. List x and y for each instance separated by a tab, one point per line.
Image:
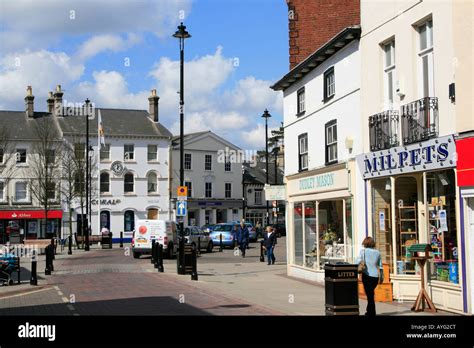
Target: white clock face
117	167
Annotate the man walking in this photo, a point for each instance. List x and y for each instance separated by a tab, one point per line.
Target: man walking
242	237
269	241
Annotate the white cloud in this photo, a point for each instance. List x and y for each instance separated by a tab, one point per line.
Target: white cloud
106	42
41	69
50	21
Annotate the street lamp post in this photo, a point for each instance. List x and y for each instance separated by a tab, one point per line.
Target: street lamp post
243	192
266	115
85	226
181	34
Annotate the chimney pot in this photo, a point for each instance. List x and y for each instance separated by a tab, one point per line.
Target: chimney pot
29	102
58	101
50	102
153	106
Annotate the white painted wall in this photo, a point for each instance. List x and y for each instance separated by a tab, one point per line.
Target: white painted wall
344	107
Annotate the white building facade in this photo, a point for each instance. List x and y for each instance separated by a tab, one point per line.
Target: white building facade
213	177
322	138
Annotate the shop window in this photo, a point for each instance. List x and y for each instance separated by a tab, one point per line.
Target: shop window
311	244
104	183
128	183
152	183
441	195
381	223
129	221
331	231
298	230
406	200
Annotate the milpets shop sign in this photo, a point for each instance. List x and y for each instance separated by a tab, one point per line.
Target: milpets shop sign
433	154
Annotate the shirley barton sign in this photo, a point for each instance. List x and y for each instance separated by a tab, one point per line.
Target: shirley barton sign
432	154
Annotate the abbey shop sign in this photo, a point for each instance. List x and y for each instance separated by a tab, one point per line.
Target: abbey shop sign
432	154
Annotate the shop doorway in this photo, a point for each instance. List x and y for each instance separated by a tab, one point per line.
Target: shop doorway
407	222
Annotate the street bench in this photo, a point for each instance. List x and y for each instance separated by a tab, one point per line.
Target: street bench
40	244
92	239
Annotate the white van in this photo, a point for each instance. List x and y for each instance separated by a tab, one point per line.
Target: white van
164	232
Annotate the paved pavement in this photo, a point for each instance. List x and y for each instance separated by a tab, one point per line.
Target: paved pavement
112	282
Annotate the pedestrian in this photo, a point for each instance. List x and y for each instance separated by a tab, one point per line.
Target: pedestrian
269	242
370	265
242	237
235	233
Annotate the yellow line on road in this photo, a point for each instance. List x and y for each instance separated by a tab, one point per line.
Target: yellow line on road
26	293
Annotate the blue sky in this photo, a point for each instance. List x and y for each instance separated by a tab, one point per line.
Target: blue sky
86	46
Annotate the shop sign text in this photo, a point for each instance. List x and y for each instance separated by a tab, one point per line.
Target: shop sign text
432	154
319	181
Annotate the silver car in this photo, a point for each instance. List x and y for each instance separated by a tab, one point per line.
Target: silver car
196	236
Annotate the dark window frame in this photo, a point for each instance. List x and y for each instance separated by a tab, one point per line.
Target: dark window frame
103	183
125	183
188	162
326	146
301	92
327	73
206	190
228	192
300	155
207	165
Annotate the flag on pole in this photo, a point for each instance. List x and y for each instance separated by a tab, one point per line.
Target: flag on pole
101	131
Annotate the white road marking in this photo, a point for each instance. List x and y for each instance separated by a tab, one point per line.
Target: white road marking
27	293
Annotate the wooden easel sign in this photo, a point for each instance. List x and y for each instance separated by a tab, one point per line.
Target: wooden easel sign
421	253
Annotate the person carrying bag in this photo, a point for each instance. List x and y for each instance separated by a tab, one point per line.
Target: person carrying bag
371	269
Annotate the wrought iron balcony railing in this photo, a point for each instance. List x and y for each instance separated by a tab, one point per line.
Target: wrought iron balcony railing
420	120
383	130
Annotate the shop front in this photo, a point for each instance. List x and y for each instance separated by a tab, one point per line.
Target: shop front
29	224
320	220
412	198
465	180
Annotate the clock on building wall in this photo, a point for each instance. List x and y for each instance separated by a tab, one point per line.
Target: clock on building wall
117	168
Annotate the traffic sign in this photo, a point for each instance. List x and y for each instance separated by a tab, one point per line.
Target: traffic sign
182	198
182	191
181	208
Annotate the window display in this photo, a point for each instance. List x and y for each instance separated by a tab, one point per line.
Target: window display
298	224
310	233
331	231
441	195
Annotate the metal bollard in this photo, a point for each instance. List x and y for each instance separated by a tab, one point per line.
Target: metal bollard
110	236
54	249
159	255
181	257
121	239
153	256
220	242
51	258
199	246
34	276
194	274
262	259
69	252
154	252
47	270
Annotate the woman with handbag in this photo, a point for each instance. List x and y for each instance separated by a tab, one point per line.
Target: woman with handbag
370	266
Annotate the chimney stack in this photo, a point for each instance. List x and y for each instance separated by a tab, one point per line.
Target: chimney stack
50	102
29	102
58	100
153	106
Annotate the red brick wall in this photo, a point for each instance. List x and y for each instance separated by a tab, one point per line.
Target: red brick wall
311	23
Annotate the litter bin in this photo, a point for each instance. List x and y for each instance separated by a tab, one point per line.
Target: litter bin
341	287
185	259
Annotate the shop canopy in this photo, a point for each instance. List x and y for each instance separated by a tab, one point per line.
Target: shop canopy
465	161
30	214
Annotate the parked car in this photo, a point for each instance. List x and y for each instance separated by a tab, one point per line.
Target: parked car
208	228
192	233
280	229
227	231
252	231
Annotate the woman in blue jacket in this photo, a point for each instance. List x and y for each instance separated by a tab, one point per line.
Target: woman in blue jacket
372	274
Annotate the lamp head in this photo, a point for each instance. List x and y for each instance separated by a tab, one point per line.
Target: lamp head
181	33
266	114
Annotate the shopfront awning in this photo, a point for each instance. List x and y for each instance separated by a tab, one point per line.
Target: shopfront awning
465	161
30	214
